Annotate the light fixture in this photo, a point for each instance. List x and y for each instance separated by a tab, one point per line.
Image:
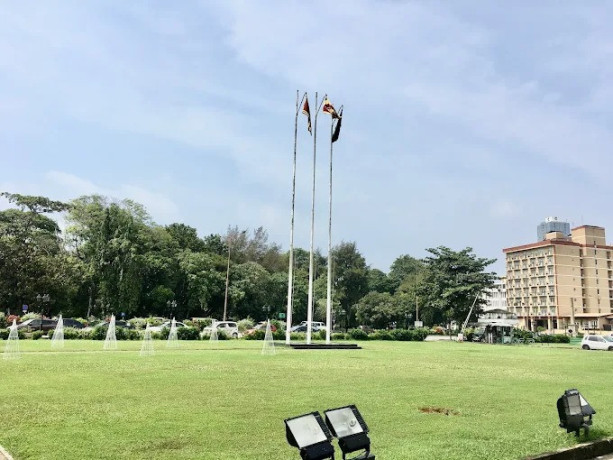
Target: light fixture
346	424
310	435
574	412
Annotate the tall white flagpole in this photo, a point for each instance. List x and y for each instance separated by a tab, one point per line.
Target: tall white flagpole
290	274
310	297
329	288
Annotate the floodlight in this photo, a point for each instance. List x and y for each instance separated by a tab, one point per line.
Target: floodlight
574	412
310	435
346	423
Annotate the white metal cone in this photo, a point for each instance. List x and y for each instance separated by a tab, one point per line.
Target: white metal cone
110	343
269	345
58	334
11	349
213	337
147	348
173	336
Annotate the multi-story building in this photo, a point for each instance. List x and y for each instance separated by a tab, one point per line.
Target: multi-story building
552	224
562	283
496	296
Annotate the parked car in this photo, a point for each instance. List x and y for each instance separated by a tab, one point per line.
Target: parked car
69	322
167	324
316	324
261	326
303	328
105	324
34	325
230	328
596	342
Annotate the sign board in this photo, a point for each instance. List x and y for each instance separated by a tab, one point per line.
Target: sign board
24	308
281	315
419	324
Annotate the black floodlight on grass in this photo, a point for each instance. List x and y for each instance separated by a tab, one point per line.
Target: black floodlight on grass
346	424
310	434
574	412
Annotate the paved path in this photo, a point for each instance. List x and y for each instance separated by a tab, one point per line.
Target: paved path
4	455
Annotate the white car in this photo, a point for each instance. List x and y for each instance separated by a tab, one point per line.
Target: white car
596	342
230	328
167	324
316	324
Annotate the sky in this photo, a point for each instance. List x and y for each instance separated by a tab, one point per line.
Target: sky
465	123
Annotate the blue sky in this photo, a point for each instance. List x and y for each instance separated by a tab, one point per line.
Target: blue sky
465	124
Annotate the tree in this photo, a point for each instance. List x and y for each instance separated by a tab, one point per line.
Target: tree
32	255
379	310
453	280
402	268
349	278
379	281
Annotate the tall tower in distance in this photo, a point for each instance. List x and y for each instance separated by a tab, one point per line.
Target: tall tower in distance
552	224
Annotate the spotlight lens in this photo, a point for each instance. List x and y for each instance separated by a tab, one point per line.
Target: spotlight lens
306	430
344	422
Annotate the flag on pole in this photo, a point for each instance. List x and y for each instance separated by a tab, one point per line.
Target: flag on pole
328	108
307	111
337	128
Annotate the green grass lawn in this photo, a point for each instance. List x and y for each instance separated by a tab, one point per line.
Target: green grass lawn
229	401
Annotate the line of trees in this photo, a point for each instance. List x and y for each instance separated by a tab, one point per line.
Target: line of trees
112	258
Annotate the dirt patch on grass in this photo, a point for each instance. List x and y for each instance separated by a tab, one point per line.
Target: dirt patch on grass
438	410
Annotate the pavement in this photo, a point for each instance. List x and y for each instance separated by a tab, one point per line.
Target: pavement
4	455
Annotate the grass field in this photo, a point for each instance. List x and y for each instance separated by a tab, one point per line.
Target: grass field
229	401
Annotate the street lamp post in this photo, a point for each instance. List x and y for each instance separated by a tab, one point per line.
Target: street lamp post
171	307
42	299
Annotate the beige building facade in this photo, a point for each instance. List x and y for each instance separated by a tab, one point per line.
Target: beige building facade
562	283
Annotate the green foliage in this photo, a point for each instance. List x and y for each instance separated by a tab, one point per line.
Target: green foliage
37	334
380	335
357	334
4	334
297	336
257	335
3	321
245	324
452	282
28	316
99	333
186	333
70	333
552	338
522	334
338	336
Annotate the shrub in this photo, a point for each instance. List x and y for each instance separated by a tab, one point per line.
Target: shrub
3	320
85	335
381	335
403	335
37	335
297	336
256	335
280	325
28	316
4	334
338	336
245	324
70	333
279	334
185	333
11	318
199	323
357	334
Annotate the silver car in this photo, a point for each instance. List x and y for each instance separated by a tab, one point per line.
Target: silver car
230	328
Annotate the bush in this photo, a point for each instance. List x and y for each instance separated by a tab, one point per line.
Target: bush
245	324
280	325
37	335
256	335
357	334
380	335
99	333
552	338
298	336
70	333
3	323
403	335
186	333
28	316
4	334
85	335
338	336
